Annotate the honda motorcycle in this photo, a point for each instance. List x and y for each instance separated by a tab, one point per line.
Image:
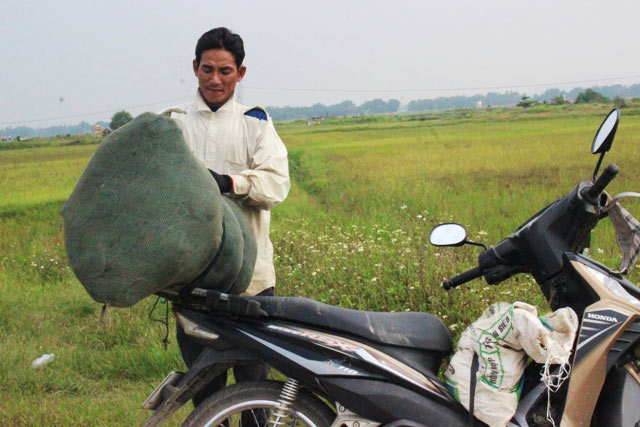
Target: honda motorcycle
354	368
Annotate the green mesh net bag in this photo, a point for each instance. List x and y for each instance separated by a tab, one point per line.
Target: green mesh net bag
232	268
145	215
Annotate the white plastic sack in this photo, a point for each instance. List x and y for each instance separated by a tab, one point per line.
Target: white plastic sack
502	338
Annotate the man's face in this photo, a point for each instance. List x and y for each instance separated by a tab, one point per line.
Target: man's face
217	75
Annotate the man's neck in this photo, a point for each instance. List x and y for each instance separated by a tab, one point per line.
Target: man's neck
212	107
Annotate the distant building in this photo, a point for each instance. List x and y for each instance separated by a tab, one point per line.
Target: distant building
97	130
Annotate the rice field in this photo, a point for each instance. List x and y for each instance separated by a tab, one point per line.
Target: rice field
366	191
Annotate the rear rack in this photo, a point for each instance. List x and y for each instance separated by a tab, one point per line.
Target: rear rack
215	301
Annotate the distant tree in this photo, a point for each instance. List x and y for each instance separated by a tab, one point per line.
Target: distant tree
619	102
558	100
378	106
119	119
526	102
346	108
393	105
590	97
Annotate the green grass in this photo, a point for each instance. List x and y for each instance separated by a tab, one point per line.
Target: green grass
366	192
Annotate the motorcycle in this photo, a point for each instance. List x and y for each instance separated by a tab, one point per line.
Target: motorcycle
353	368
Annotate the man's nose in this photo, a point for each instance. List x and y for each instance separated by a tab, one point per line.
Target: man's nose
215	78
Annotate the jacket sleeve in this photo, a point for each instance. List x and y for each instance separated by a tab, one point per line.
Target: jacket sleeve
266	182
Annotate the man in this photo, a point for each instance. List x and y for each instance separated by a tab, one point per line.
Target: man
247	159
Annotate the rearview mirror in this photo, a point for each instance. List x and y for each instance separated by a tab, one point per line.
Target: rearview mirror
607	131
449	234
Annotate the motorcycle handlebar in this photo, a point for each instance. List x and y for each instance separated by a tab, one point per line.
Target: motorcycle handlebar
462	278
592	193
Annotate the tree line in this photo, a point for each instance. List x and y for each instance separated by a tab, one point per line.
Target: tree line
376	106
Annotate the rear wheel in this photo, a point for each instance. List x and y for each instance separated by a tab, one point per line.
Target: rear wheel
249	404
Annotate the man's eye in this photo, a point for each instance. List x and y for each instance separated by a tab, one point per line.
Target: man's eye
226	71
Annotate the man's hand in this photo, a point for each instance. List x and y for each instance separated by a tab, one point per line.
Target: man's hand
225	183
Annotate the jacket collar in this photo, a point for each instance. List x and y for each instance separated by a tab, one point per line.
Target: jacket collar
201	105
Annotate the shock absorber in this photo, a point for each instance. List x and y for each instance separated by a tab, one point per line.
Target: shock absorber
285	402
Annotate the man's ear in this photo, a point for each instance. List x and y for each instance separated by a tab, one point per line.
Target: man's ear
241	72
195	67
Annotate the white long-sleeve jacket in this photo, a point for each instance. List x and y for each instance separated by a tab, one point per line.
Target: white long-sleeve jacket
241	142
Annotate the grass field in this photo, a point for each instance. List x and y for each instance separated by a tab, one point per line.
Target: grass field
366	192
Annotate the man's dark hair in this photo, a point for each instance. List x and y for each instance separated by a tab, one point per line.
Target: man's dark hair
221	38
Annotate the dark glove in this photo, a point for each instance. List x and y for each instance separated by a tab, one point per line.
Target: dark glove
225	183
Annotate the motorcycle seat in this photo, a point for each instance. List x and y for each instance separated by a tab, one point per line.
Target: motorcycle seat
412	330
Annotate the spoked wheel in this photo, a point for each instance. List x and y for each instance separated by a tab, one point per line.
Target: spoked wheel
249	404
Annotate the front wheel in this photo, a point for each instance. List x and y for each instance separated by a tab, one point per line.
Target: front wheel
249	404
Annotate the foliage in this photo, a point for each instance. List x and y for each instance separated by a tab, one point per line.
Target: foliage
619	102
60	130
346	108
526	102
119	119
558	100
452	102
378	106
366	191
591	96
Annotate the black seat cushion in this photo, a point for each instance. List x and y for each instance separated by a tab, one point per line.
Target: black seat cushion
414	330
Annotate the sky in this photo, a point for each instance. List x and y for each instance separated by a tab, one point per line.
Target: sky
62	62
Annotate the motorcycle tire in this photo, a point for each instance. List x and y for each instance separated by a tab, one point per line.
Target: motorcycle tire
255	400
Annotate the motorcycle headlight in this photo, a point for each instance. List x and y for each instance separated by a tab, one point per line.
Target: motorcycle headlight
614	286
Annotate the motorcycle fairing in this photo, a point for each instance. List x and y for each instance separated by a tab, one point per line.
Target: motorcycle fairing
597	326
373	398
364	354
328	363
599	346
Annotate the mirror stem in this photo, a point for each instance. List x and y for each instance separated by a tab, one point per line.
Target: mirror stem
469	242
595	171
